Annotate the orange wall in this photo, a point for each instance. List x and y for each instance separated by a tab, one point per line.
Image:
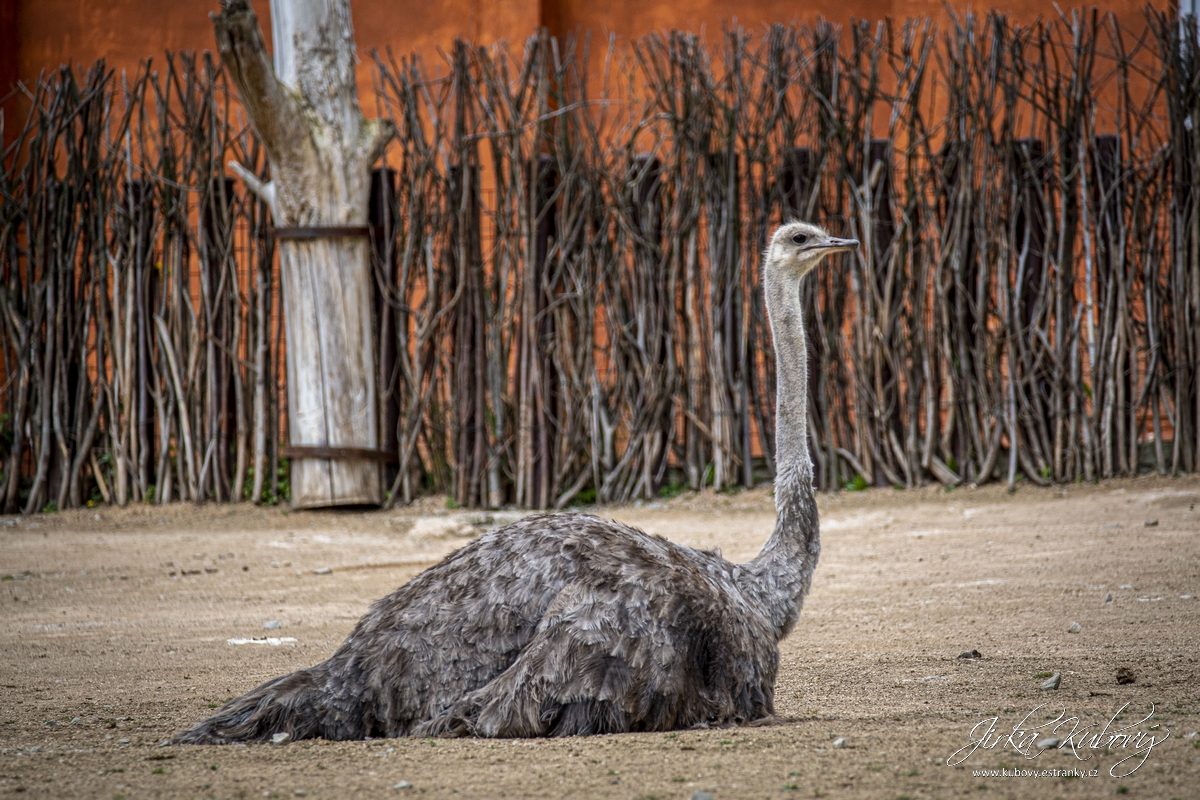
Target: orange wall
38	35
631	18
41	34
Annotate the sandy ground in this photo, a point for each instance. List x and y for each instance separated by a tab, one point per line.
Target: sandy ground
116	629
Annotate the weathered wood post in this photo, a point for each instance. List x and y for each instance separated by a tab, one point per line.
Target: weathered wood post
321	149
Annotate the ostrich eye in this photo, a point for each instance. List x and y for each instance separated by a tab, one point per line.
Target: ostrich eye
800	238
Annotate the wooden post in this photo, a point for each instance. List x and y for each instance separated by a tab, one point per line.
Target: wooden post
381	216
469	345
306	114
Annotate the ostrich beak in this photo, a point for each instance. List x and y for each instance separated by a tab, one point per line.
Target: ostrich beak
834	245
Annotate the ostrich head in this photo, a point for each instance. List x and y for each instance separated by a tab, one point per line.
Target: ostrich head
797	247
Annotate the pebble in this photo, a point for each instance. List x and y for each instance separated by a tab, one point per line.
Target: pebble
1108	597
1074	628
839	742
1048	742
300	793
281	738
271	624
402	785
323	571
1125	586
1053	682
969	654
122	741
1151	523
699	795
1125	675
76	720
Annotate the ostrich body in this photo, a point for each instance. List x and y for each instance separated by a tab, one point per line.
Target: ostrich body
570	624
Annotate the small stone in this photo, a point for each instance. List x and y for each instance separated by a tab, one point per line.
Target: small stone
945	555
402	785
699	795
122	741
300	793
1052	682
281	739
839	742
1152	523
1048	742
1125	675
1126	586
323	571
1074	628
271	624
1108	597
969	654
1192	735
76	720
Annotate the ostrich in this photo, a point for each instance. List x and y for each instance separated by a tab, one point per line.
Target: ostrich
570	624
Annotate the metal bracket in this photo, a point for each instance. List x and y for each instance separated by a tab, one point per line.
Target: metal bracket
339	453
320	231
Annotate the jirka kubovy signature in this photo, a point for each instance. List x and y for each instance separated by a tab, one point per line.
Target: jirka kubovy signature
1067	732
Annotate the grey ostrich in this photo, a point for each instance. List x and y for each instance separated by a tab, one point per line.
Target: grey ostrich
570	624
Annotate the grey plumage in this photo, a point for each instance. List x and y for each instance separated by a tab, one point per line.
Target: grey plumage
570	624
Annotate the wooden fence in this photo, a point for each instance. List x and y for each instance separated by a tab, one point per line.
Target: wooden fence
569	306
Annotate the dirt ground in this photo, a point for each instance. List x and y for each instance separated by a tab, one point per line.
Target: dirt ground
117	626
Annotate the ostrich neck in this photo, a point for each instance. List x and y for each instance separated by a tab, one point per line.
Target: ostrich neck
779	577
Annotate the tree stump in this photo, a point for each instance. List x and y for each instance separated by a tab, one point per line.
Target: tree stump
305	111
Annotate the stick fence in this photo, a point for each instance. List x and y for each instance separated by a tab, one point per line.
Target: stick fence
569	305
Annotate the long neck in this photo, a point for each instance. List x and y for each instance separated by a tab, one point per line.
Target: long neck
780	575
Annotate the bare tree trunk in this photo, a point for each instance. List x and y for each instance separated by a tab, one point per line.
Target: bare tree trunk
321	150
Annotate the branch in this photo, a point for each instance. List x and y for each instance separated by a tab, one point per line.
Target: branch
265	191
378	133
273	112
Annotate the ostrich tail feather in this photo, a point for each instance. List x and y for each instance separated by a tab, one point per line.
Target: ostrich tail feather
296	704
